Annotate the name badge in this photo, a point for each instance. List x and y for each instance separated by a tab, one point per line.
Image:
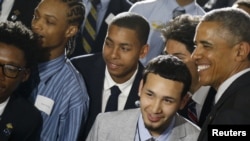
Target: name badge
44	104
109	18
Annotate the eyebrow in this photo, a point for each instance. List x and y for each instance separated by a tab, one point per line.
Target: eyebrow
46	15
121	44
164	97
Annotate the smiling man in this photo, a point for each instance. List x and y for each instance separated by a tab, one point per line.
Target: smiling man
162	91
118	65
222	56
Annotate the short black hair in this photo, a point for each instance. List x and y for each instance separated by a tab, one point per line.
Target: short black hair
169	67
18	35
181	29
135	22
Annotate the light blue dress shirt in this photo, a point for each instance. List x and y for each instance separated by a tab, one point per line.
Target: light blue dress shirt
159	12
61	82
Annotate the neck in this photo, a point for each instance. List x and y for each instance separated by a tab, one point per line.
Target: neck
184	2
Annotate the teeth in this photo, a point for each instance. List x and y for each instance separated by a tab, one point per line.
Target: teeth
202	67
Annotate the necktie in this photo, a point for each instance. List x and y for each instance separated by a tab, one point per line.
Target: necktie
192	115
177	11
112	103
89	30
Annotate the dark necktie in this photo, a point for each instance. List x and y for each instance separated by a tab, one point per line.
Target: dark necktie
178	12
192	115
89	30
112	103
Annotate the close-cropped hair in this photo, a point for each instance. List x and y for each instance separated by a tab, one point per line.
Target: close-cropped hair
18	35
181	29
233	21
135	22
169	67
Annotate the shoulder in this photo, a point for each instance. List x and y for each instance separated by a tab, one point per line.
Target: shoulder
24	108
187	125
85	58
143	4
118	115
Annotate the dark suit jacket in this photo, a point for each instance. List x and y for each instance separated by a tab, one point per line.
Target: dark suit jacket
115	7
25	119
232	108
92	67
23	10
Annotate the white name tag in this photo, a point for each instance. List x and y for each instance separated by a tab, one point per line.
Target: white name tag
44	104
109	18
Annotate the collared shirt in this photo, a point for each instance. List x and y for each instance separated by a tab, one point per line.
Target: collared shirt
101	11
199	98
124	88
143	134
62	84
159	12
222	88
6	8
3	105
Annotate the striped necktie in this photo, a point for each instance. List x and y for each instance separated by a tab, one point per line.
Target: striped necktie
89	31
177	11
192	115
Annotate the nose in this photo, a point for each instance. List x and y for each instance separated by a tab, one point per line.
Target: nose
196	54
36	25
115	52
2	76
156	106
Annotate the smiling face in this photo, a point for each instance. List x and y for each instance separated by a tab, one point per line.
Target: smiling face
121	52
12	56
179	50
215	54
160	99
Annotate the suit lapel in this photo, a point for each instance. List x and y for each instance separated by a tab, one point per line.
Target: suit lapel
240	82
133	94
207	106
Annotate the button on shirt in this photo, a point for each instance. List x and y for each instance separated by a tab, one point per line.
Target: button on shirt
143	134
159	12
60	82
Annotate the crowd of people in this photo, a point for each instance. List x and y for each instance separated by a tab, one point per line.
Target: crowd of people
123	70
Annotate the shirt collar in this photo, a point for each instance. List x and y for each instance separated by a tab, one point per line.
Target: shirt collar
227	83
49	68
109	82
3	105
200	95
144	134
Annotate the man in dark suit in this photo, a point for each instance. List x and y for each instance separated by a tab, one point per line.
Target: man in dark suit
111	8
178	35
19	119
222	56
118	64
20	10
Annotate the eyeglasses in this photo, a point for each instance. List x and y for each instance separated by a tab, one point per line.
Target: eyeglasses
10	70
